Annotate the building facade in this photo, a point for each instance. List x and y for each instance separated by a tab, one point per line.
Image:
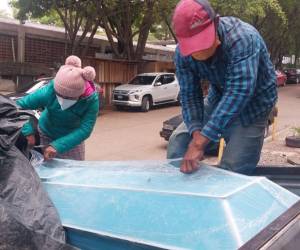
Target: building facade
28	50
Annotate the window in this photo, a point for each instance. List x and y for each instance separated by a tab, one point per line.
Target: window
168	79
160	79
142	80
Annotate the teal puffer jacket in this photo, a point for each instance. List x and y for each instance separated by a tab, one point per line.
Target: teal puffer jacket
67	128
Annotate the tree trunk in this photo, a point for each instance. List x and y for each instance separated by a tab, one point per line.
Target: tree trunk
170	29
90	40
144	31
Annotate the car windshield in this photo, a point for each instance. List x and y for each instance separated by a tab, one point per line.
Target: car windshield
142	80
36	87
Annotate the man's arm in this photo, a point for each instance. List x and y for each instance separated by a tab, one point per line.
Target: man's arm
239	86
213	95
192	112
190	94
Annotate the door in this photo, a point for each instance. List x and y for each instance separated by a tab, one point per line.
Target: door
159	90
171	87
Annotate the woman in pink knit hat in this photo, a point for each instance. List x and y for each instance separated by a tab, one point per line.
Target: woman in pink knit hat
70	107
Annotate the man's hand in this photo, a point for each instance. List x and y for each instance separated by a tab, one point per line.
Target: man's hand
194	154
30	141
49	153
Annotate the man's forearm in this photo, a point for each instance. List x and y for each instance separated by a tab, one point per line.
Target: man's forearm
199	140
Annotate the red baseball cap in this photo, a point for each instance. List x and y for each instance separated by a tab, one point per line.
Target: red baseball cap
193	22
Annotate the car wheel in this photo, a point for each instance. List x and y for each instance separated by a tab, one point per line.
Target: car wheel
145	104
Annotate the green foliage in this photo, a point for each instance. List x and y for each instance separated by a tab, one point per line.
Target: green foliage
30	8
249	9
132	20
296	131
162	26
276	20
52	19
4	14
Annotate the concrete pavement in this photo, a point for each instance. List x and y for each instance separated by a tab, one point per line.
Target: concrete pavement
289	106
129	135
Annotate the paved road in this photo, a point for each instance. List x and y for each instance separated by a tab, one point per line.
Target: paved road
129	135
289	106
133	135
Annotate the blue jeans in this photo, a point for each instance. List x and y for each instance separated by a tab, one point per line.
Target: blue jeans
243	143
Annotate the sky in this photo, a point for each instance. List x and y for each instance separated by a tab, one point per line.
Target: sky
4	6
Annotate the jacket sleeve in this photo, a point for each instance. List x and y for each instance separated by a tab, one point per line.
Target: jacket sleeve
80	134
239	86
190	93
36	100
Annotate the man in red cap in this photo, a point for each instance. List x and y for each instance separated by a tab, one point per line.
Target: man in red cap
233	57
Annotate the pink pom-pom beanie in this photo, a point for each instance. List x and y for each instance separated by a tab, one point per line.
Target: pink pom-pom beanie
70	78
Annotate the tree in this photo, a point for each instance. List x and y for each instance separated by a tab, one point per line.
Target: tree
125	20
274	19
163	25
126	23
4	14
52	18
291	39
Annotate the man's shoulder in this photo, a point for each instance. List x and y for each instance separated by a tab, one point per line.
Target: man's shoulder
234	31
177	52
235	26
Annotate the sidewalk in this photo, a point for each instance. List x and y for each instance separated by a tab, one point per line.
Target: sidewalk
274	152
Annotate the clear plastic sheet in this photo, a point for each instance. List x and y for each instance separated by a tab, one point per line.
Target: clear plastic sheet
28	219
151	202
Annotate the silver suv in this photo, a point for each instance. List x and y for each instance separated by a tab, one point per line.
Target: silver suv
147	90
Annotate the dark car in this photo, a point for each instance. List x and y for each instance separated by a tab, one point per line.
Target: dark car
40	83
171	124
293	75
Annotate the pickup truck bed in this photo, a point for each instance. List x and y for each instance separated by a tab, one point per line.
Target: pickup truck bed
284	232
287	177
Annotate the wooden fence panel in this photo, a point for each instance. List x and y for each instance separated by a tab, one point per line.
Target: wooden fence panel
111	73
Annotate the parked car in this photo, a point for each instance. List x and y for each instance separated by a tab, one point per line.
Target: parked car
30	89
171	124
40	83
293	75
147	90
281	78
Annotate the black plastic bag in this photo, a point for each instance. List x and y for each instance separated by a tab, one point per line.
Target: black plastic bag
28	218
